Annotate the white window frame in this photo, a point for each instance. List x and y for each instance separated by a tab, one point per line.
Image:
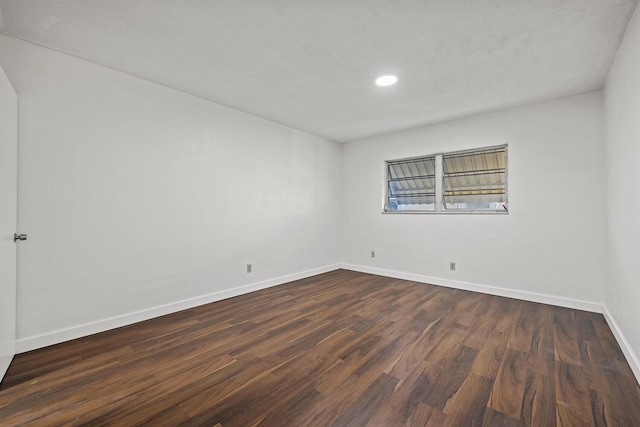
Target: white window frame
440	207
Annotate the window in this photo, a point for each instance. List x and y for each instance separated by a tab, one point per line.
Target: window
462	181
475	180
412	184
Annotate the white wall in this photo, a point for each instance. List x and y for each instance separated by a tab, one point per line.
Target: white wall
136	196
551	242
622	154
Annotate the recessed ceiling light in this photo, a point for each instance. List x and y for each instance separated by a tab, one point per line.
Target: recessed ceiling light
386	80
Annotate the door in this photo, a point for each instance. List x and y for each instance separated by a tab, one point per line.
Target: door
8	212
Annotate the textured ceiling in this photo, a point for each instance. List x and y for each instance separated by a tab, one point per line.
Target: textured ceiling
311	64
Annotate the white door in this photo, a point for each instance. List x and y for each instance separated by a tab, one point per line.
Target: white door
8	211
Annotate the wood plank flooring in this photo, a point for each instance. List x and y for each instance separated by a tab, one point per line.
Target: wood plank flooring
338	349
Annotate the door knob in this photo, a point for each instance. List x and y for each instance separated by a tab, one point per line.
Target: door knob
17	237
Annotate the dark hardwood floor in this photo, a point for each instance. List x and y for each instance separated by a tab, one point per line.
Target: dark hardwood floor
338	349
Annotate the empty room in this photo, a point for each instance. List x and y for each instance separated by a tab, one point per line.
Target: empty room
331	213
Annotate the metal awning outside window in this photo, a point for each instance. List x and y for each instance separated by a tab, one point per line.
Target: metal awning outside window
412	184
475	179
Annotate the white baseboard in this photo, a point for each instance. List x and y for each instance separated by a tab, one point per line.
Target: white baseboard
632	358
61	335
485	289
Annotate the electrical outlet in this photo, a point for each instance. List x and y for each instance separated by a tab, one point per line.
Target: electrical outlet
248	268
452	266
373	254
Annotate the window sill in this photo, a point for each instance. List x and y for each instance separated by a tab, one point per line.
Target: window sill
445	212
